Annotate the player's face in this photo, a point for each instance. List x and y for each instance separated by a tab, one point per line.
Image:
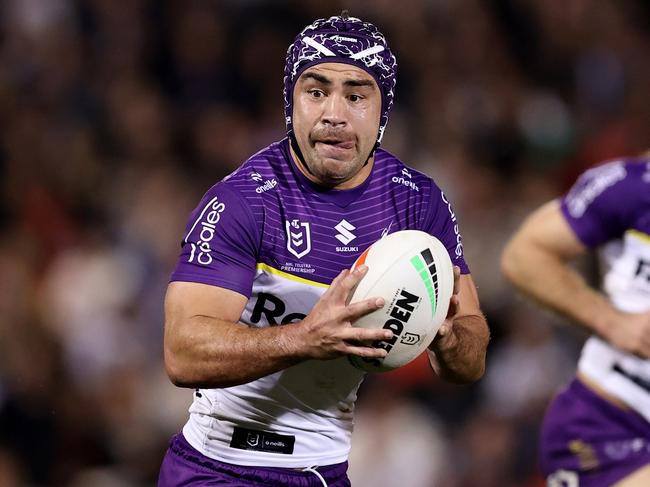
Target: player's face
336	113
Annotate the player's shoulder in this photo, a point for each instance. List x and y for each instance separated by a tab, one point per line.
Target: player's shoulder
617	174
259	174
638	168
615	182
401	177
240	197
611	171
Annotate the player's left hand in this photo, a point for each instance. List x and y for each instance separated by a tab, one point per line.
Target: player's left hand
445	338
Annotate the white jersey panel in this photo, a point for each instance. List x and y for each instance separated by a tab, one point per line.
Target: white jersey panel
312	402
627	284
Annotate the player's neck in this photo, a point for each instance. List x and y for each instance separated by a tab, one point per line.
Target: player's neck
351	183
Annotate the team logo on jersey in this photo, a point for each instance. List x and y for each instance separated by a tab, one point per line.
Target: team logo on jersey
405	180
298	237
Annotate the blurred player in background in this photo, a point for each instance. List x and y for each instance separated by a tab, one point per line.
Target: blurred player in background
597	430
271	245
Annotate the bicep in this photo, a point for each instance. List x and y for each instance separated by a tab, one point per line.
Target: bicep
199	319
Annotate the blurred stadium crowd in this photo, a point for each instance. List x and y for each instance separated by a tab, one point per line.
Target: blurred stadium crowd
115	117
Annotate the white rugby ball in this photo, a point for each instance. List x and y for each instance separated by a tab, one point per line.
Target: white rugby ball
413	272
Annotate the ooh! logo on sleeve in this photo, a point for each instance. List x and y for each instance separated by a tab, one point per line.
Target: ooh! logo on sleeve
207	220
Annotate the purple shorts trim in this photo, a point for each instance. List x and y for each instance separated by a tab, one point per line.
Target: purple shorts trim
185	466
587	437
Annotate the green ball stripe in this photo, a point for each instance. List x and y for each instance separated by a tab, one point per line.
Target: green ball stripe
423	271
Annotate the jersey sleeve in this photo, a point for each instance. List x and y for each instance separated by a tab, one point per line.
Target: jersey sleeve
599	205
221	242
441	222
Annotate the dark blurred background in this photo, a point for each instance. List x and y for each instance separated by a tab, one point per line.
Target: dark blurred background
116	116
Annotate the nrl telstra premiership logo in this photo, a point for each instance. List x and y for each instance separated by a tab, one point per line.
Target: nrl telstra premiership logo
298	237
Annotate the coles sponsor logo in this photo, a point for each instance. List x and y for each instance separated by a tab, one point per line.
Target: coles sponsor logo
207	221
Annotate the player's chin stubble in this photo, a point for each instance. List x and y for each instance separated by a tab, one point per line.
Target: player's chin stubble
330	170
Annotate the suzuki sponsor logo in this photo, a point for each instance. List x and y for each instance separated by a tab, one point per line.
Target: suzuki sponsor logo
207	221
345	235
268	184
298	237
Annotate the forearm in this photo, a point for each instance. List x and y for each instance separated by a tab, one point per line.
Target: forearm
551	282
461	358
215	354
206	345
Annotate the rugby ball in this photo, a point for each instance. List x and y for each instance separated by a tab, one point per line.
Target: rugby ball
413	272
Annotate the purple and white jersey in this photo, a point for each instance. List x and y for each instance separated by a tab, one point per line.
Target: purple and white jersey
269	233
609	208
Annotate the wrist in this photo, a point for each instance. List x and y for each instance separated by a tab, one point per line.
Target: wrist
291	341
605	322
444	340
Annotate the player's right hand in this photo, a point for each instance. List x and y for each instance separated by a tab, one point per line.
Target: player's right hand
631	333
327	331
